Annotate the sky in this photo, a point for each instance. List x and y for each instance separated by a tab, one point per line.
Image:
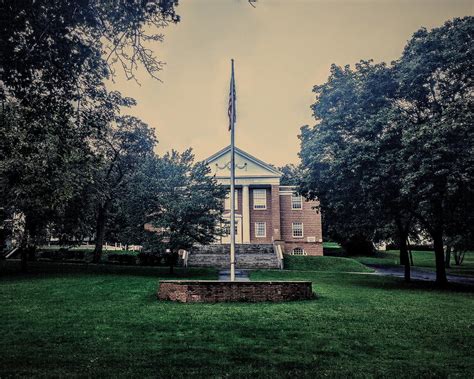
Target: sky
281	48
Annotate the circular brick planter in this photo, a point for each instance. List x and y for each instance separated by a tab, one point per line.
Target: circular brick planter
213	291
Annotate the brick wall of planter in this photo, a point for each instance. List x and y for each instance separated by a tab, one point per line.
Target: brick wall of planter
222	291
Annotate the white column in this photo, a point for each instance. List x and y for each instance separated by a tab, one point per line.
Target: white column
245	214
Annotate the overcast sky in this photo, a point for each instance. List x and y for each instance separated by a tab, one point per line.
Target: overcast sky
282	48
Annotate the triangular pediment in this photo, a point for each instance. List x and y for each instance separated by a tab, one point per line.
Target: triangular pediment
246	165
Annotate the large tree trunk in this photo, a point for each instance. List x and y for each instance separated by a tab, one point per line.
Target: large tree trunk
100	232
439	257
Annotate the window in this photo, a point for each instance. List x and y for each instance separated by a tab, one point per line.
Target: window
260	229
298	251
296	202
227	201
297	228
259	199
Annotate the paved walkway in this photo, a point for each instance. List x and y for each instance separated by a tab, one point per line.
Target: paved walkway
418	274
240	275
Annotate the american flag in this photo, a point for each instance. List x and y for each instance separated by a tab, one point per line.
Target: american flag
231	110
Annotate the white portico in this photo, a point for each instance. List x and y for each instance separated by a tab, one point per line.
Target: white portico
254	180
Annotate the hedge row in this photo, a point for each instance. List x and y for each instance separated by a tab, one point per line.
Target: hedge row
65	255
143	259
393	246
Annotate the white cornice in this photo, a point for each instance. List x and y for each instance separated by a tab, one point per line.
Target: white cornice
248	156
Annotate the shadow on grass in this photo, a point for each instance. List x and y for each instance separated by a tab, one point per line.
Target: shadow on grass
10	270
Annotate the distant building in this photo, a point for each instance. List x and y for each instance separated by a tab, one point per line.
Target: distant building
267	212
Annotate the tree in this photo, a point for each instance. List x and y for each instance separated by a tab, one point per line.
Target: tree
339	155
393	144
188	205
291	175
436	97
57	49
120	151
41	165
55	59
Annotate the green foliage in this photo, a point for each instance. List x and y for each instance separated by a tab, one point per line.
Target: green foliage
42	164
291	175
188	205
391	153
340	152
55	59
435	96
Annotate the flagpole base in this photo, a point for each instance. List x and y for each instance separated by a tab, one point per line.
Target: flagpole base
232	272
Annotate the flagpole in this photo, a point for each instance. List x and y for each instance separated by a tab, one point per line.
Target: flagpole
232	179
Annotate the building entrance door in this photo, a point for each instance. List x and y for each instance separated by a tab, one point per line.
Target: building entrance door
238	230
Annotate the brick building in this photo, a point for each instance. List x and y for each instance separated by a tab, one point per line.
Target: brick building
267	212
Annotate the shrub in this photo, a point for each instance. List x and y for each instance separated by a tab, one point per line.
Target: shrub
64	254
127	259
153	259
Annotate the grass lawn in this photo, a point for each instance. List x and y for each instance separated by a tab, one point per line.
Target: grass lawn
74	320
421	259
336	264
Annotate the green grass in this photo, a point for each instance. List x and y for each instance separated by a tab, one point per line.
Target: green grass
105	321
336	264
421	259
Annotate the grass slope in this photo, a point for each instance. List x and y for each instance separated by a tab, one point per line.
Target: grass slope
309	263
106	322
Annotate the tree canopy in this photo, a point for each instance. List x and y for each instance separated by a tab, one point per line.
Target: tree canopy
393	146
188	204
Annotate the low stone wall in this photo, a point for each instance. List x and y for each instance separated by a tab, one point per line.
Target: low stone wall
212	291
